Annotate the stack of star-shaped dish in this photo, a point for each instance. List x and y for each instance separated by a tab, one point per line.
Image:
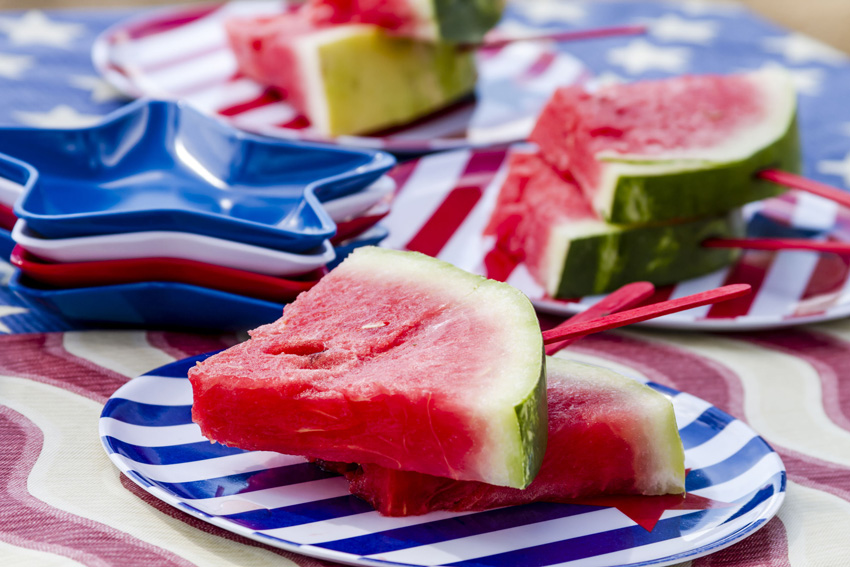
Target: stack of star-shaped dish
161	216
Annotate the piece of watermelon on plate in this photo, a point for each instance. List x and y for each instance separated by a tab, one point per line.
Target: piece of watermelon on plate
608	434
350	78
393	358
544	221
676	148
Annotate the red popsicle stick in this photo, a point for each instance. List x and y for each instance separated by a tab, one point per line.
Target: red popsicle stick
842	248
647	312
574	35
627	296
802	184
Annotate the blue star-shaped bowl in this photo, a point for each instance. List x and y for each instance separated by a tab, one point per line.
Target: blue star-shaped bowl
156	165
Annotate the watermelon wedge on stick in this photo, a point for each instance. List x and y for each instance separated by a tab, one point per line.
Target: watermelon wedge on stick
350	79
672	149
393	358
545	221
608	434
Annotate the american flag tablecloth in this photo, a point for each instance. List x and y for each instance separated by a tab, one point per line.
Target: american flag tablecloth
65	504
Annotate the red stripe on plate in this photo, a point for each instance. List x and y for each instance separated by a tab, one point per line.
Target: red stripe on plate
269	96
402	172
825	285
450	214
181	58
300	122
167	22
540	65
750	269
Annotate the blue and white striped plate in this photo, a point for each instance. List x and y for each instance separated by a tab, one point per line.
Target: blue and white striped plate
735	478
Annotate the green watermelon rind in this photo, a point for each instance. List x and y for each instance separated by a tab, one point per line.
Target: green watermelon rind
516	428
609	256
661	441
691	189
466	21
368	80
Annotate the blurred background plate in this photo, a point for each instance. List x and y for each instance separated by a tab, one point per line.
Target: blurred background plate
182	52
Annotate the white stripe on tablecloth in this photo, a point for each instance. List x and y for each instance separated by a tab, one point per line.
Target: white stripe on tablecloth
126	352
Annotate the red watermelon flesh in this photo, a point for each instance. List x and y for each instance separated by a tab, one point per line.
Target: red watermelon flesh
392	358
264	51
608	434
395	15
664	119
532	199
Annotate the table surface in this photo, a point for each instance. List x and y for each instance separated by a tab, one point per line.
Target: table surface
65	504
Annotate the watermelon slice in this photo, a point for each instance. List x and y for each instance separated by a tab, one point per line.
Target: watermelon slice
393	358
672	149
350	79
460	21
608	434
544	221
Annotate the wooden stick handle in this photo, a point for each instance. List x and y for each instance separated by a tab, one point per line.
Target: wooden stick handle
802	184
645	313
625	297
842	248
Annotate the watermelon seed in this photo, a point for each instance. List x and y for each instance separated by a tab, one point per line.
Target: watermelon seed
377	325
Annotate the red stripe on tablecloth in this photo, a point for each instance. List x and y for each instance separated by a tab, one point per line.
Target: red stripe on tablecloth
166	22
768	547
182	345
670	366
719	385
751	269
458	203
300	560
28	522
269	96
825	285
41	357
